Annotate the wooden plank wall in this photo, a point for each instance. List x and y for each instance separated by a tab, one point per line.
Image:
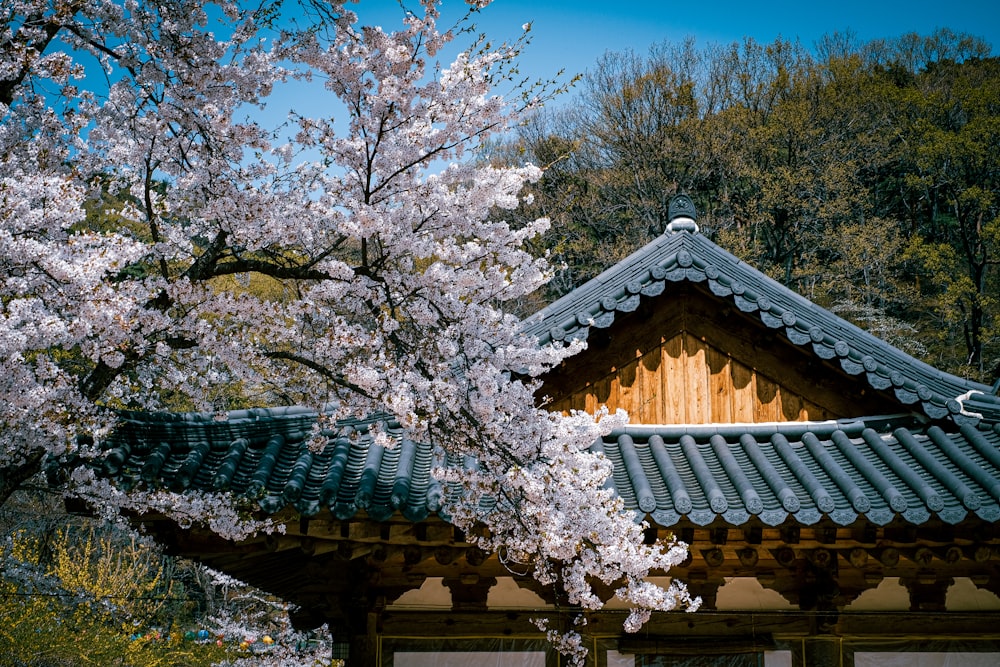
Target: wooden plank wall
685	380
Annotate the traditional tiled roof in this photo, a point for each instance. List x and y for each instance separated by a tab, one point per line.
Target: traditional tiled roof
940	461
685	256
876	468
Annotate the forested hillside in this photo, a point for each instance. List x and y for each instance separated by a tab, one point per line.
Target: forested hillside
865	176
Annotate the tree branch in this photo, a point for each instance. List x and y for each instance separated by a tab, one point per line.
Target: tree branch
322	370
13	476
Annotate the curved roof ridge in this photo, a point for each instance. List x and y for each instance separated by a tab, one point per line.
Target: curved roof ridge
243	416
685	256
763	429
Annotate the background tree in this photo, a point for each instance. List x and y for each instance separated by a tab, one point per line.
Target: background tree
949	195
859	174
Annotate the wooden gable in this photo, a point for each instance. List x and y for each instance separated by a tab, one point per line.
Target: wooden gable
690	357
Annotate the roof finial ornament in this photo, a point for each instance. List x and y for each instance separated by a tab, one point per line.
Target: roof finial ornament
681	215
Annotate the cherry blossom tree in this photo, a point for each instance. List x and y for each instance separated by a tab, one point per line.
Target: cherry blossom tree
159	247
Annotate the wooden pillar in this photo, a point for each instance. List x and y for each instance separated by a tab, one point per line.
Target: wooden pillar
363	630
821	651
361	609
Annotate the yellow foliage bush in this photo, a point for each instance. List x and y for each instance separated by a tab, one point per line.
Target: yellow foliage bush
93	602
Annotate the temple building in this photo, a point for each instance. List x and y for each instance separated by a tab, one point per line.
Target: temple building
841	498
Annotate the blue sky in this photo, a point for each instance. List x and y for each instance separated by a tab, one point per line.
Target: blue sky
573	34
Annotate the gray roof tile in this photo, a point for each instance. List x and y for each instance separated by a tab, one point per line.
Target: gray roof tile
843	470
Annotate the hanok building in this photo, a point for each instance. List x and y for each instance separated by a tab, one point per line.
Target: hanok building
841	498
